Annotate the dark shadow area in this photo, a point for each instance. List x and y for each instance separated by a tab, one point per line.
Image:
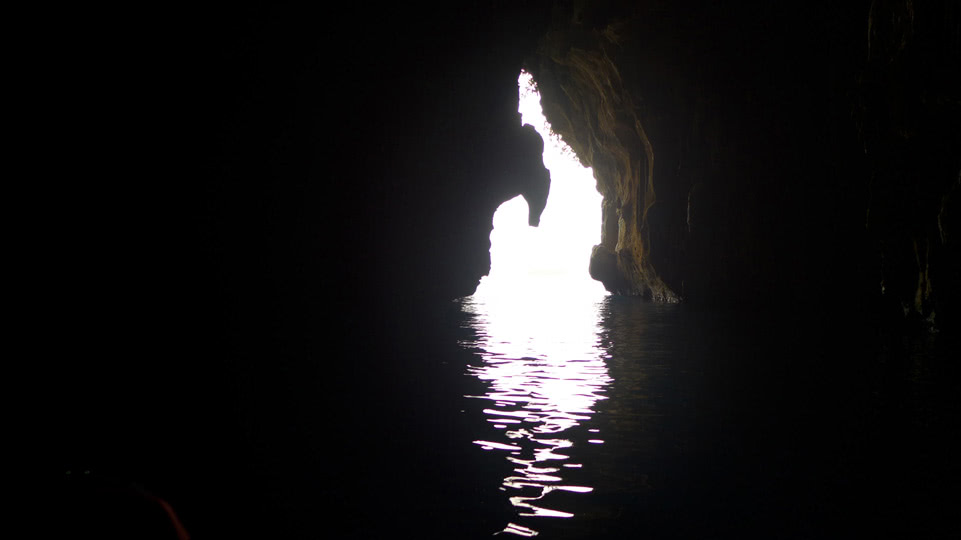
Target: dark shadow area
739	426
252	222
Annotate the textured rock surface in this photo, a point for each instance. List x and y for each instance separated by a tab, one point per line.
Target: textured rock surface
586	100
762	153
908	116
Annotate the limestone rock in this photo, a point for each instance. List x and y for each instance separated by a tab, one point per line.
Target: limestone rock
739	151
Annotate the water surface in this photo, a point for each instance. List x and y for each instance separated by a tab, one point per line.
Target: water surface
615	418
545	369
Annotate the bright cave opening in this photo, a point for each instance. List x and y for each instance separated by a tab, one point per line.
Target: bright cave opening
537	323
552	258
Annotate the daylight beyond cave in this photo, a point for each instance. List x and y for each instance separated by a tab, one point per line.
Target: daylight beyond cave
525	258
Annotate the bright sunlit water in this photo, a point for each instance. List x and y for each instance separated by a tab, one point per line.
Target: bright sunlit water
626	419
542	358
545	369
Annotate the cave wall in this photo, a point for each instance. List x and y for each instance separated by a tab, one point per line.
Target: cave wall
275	165
275	170
306	158
247	208
259	201
369	150
759	153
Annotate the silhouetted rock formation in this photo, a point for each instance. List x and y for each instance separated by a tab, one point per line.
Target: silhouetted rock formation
528	172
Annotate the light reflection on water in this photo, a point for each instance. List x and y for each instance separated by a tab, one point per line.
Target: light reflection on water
544	369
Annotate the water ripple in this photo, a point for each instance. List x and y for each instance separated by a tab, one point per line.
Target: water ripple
544	371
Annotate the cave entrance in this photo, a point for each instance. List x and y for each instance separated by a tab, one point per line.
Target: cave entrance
553	257
537	320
